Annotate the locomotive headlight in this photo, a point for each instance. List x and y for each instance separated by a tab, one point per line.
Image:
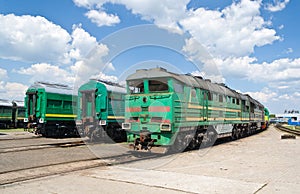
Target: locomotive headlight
165	127
78	122
25	120
126	126
41	120
102	122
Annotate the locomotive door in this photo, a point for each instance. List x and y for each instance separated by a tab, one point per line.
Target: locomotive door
205	105
101	104
14	115
88	104
31	105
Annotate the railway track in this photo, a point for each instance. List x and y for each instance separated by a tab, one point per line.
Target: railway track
19	175
285	129
48	168
41	146
20	138
35	157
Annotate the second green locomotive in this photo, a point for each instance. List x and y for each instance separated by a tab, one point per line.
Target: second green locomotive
101	110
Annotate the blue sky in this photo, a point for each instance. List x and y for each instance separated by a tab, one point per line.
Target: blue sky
252	46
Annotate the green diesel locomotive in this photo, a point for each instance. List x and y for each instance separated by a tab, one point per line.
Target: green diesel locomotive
179	111
101	110
11	113
50	110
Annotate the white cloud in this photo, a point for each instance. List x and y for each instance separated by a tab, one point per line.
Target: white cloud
12	90
89	3
276	5
101	18
3	74
163	13
264	95
48	72
280	76
233	31
92	64
105	77
33	39
213	77
45	39
284	72
281	27
89	56
289	50
281	69
297	94
285	97
82	43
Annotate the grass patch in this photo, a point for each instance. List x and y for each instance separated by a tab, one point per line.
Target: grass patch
11	130
292	127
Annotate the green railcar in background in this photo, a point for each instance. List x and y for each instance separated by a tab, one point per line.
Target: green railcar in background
267	117
101	110
11	114
177	110
50	110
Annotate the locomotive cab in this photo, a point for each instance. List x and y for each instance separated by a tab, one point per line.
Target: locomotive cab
149	104
100	110
91	109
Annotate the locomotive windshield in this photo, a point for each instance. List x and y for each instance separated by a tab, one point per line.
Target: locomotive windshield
157	85
136	86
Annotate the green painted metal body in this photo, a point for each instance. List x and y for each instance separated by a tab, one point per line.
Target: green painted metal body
267	114
50	107
100	104
5	115
185	104
108	105
11	114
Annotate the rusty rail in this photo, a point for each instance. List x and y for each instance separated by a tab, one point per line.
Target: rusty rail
285	129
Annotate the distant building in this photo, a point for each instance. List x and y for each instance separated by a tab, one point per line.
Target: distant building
290	118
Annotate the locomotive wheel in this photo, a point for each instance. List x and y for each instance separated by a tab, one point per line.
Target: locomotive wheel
96	135
63	131
193	144
234	134
210	137
181	143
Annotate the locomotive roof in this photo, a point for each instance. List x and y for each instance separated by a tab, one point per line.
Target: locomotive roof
111	86
249	98
19	103
4	102
52	88
188	79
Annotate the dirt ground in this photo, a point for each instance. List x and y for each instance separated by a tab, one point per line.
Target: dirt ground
263	163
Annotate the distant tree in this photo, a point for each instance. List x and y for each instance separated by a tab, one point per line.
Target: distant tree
272	115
